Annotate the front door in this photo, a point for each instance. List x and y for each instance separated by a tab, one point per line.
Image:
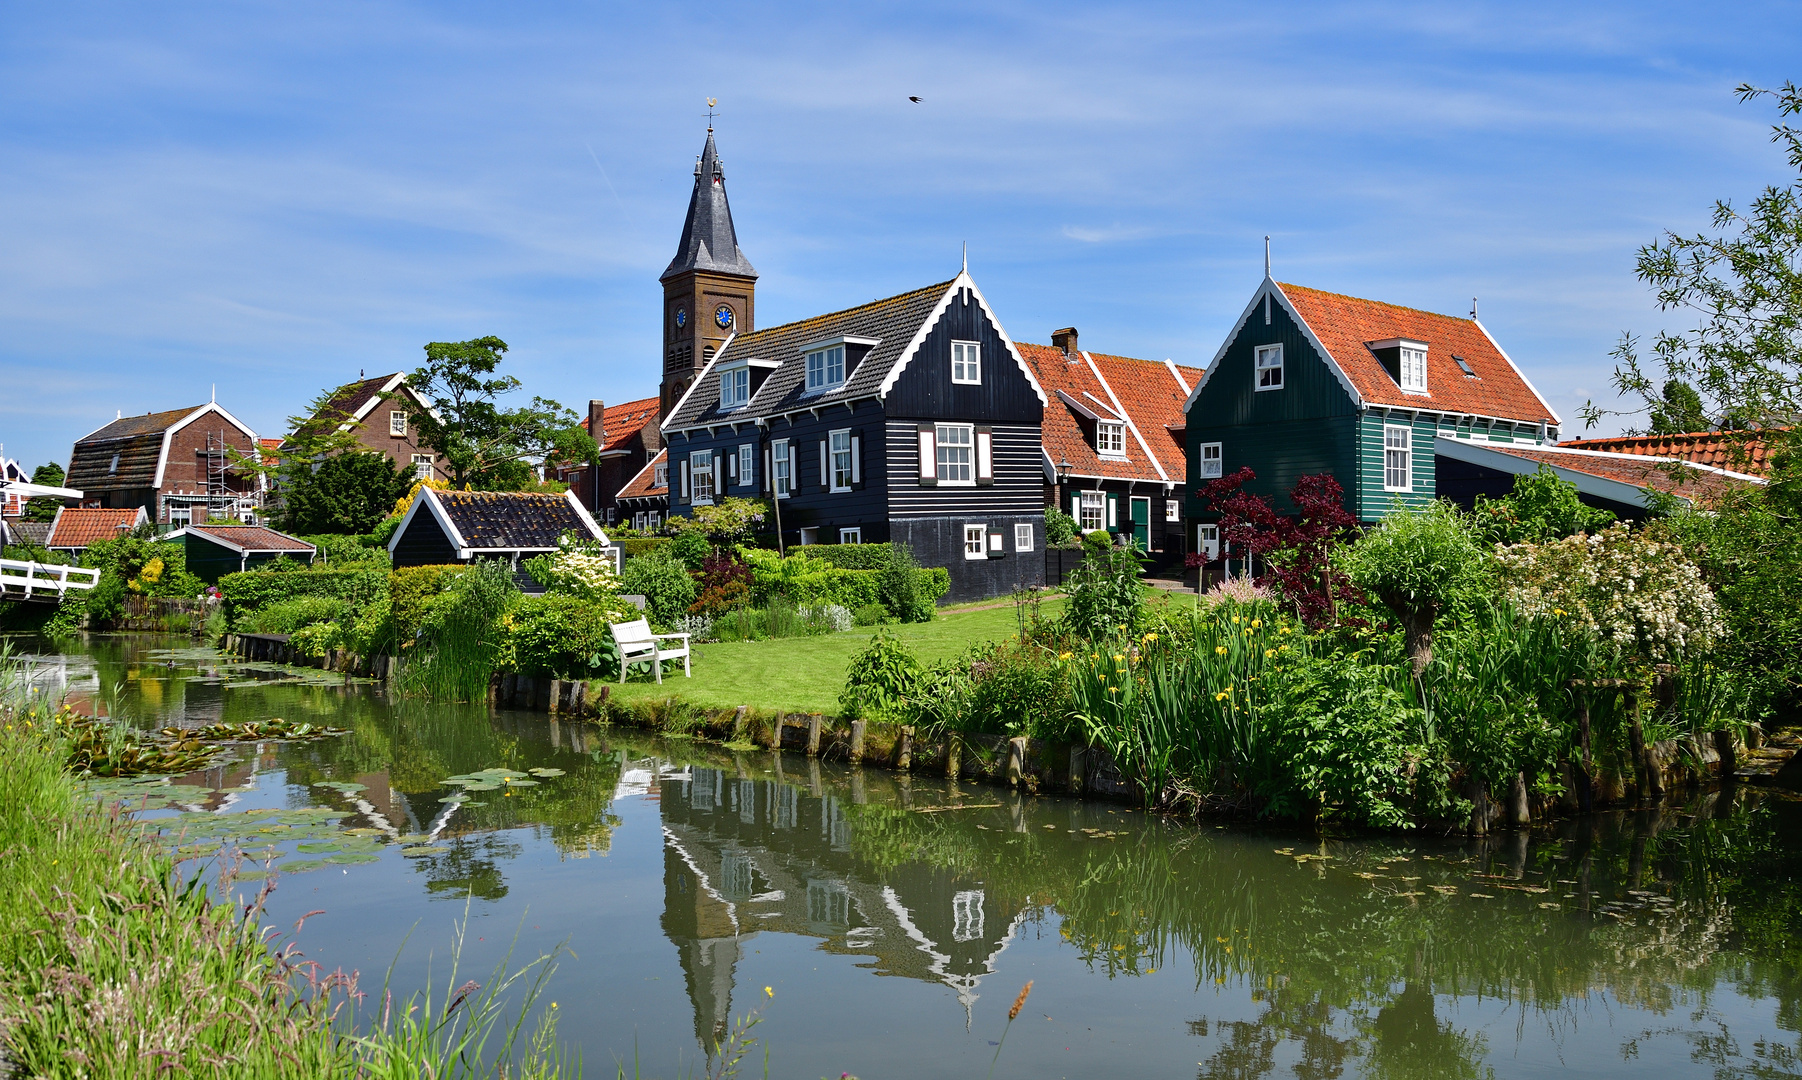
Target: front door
1141	519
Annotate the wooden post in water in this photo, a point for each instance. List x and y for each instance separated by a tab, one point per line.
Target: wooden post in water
954	746
857	730
1726	750
1636	746
904	747
1077	756
813	776
1016	760
1519	813
813	734
738	724
555	703
1586	769
776	731
857	791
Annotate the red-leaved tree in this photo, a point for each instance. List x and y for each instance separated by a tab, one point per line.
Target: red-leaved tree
1295	551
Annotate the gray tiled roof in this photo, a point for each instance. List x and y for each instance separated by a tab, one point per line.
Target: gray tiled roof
894	321
510	520
709	241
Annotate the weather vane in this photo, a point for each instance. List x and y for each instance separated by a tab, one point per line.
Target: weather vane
711	102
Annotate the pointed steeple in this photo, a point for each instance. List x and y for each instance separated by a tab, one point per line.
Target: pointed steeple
709	242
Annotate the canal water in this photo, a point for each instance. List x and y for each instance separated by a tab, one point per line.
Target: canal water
893	920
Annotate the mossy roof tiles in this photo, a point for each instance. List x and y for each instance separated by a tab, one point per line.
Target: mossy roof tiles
510	520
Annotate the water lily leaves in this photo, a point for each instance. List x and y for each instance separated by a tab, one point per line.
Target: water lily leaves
316	848
546	772
351	858
457	798
345	786
522	783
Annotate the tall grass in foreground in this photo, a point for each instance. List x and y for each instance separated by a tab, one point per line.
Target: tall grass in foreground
115	964
454	655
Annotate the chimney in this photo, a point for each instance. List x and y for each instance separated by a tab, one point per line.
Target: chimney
1065	340
597	420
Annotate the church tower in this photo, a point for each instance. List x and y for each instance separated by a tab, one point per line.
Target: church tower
710	288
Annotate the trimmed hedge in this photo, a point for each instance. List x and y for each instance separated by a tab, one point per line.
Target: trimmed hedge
851	556
642	545
937	582
250	591
851	588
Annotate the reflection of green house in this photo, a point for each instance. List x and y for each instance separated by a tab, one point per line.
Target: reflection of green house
216	550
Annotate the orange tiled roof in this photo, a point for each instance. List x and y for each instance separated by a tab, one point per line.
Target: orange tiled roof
77	527
644	485
1144	390
620	422
1740	453
1345	324
1686	479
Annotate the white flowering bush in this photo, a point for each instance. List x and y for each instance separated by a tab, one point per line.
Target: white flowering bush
835	618
584	571
698	627
1641	596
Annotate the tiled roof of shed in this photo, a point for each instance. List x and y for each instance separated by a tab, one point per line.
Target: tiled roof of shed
644	485
78	527
894	321
620	422
254	538
1346	324
509	520
1147	393
1670	475
1740	453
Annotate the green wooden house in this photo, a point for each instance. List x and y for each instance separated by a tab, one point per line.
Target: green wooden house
1312	382
216	550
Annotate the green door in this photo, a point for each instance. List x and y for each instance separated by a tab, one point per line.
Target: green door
1141	518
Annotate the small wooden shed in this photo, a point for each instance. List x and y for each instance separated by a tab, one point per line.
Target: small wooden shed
458	526
216	550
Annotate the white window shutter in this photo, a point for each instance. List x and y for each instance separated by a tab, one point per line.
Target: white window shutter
684	471
794	467
1113	512
768	470
929	456
856	460
732	467
825	475
985	456
719	474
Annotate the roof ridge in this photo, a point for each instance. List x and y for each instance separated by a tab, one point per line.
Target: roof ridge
847	311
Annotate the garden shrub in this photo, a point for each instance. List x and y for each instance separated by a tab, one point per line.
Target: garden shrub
287	616
1097	541
581	568
665	584
250	591
825	618
563	636
633	546
870	615
317	639
880	679
1345	742
372	632
1105	596
1542	506
341	552
1018	689
854	556
1417	562
726	580
410	591
903	590
461	637
691	550
1060	528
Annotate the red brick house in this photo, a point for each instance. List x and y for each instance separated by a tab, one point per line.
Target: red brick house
629	438
378	413
181	465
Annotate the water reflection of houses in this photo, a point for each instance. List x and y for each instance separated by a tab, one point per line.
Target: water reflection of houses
743	855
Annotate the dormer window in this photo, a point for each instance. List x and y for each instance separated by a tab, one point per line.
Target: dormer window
826	368
735	387
1414	368
1270	367
1110	438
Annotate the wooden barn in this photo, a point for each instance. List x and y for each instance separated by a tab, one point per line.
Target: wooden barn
449	527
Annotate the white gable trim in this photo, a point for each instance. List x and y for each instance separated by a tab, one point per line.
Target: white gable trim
235	549
1078	407
1177	374
162	460
648	466
962	281
1270	288
702	377
1588	483
429	497
1522	376
594	529
1121	411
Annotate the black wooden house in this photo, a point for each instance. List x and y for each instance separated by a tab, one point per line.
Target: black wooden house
456	527
910	419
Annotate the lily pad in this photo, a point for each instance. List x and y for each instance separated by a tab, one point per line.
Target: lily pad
422	849
318	848
353	857
546	772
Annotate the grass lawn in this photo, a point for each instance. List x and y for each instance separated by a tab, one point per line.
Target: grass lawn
806	674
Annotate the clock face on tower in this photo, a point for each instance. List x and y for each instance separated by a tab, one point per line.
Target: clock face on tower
681	317
723	316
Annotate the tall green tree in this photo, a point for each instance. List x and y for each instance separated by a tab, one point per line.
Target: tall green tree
44	507
480	442
1743	282
1678	411
345	493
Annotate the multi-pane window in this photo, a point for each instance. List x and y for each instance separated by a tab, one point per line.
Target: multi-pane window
1173	509
747	465
780	472
397	424
1414	368
1398	459
1094	511
825	367
422	466
660	475
735	387
700	476
966	916
966	362
841	460
1110	437
1270	367
851	536
976	541
1023	536
1207	539
956	450
1210	460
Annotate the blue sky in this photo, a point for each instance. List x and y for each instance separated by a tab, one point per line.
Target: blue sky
271	197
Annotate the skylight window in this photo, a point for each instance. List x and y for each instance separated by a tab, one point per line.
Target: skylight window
1464	366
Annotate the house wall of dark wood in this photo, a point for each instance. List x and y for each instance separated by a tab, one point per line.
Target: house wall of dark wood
924	388
938	540
423	543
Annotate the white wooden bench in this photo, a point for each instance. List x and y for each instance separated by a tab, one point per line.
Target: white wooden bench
637	645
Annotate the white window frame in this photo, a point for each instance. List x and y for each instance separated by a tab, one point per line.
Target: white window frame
1110	438
966	363
1267	364
1023	536
1398	457
810	536
957	456
397	424
700	466
424	466
853	535
840	450
1412	363
1173	509
820	365
747	464
1094	502
782	479
735	387
1207	541
660	475
976	541
1212	461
